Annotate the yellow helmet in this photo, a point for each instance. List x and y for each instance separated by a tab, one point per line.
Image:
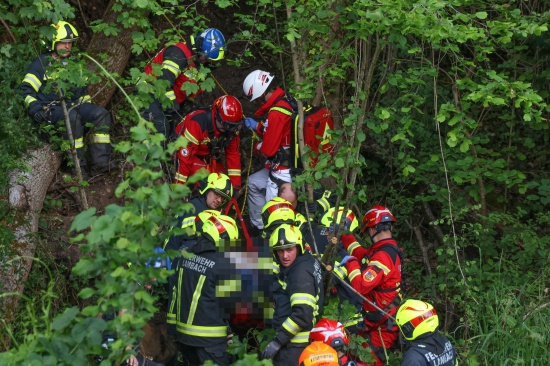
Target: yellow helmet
216	226
286	236
415	318
65	32
219	183
277	211
350	224
300	220
318	354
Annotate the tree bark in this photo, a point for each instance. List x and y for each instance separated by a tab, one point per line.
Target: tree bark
117	50
26	196
28	189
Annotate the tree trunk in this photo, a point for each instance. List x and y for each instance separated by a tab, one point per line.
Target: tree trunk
117	50
26	196
28	189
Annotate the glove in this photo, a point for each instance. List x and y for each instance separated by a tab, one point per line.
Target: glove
312	206
41	116
174	117
237	192
347	239
270	350
346	259
250	123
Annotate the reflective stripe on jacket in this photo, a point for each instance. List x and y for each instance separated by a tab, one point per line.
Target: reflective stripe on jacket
298	297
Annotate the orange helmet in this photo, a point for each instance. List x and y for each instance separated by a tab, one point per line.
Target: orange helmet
318	354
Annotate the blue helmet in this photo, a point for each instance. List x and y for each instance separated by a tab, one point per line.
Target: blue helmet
210	43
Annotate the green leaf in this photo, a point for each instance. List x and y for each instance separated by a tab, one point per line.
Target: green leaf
118	272
339	162
481	15
84	220
122	243
86	293
61	321
384	114
465	146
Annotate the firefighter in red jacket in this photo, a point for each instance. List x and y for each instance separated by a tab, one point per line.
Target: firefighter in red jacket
179	64
380	281
274	128
211	133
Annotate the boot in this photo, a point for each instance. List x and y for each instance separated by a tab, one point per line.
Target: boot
101	168
100	156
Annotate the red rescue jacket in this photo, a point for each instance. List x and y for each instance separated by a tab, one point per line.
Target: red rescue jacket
380	281
198	128
275	130
187	71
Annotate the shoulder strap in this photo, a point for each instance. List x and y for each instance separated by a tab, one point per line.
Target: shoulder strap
392	251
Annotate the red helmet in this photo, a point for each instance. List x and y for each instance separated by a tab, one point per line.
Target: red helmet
228	111
377	215
330	332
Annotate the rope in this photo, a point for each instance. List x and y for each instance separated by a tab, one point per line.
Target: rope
254	137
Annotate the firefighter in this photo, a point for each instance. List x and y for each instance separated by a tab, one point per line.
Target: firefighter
325	227
418	322
297	294
276	211
43	101
321	232
180	63
213	194
211	134
202	306
274	129
333	334
318	354
380	281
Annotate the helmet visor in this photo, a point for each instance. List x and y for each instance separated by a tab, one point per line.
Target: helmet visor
415	322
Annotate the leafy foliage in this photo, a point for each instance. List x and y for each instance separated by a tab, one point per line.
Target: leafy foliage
442	114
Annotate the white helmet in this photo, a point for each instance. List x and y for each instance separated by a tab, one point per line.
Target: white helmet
256	84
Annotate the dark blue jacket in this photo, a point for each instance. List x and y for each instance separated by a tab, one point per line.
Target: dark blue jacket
431	349
298	296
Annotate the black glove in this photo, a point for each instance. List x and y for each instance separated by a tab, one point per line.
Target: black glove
270	350
174	117
237	192
312	206
41	116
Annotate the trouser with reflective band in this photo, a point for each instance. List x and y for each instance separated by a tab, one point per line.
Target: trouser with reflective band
83	118
289	354
261	188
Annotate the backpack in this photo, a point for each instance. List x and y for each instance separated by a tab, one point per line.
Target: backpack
318	125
